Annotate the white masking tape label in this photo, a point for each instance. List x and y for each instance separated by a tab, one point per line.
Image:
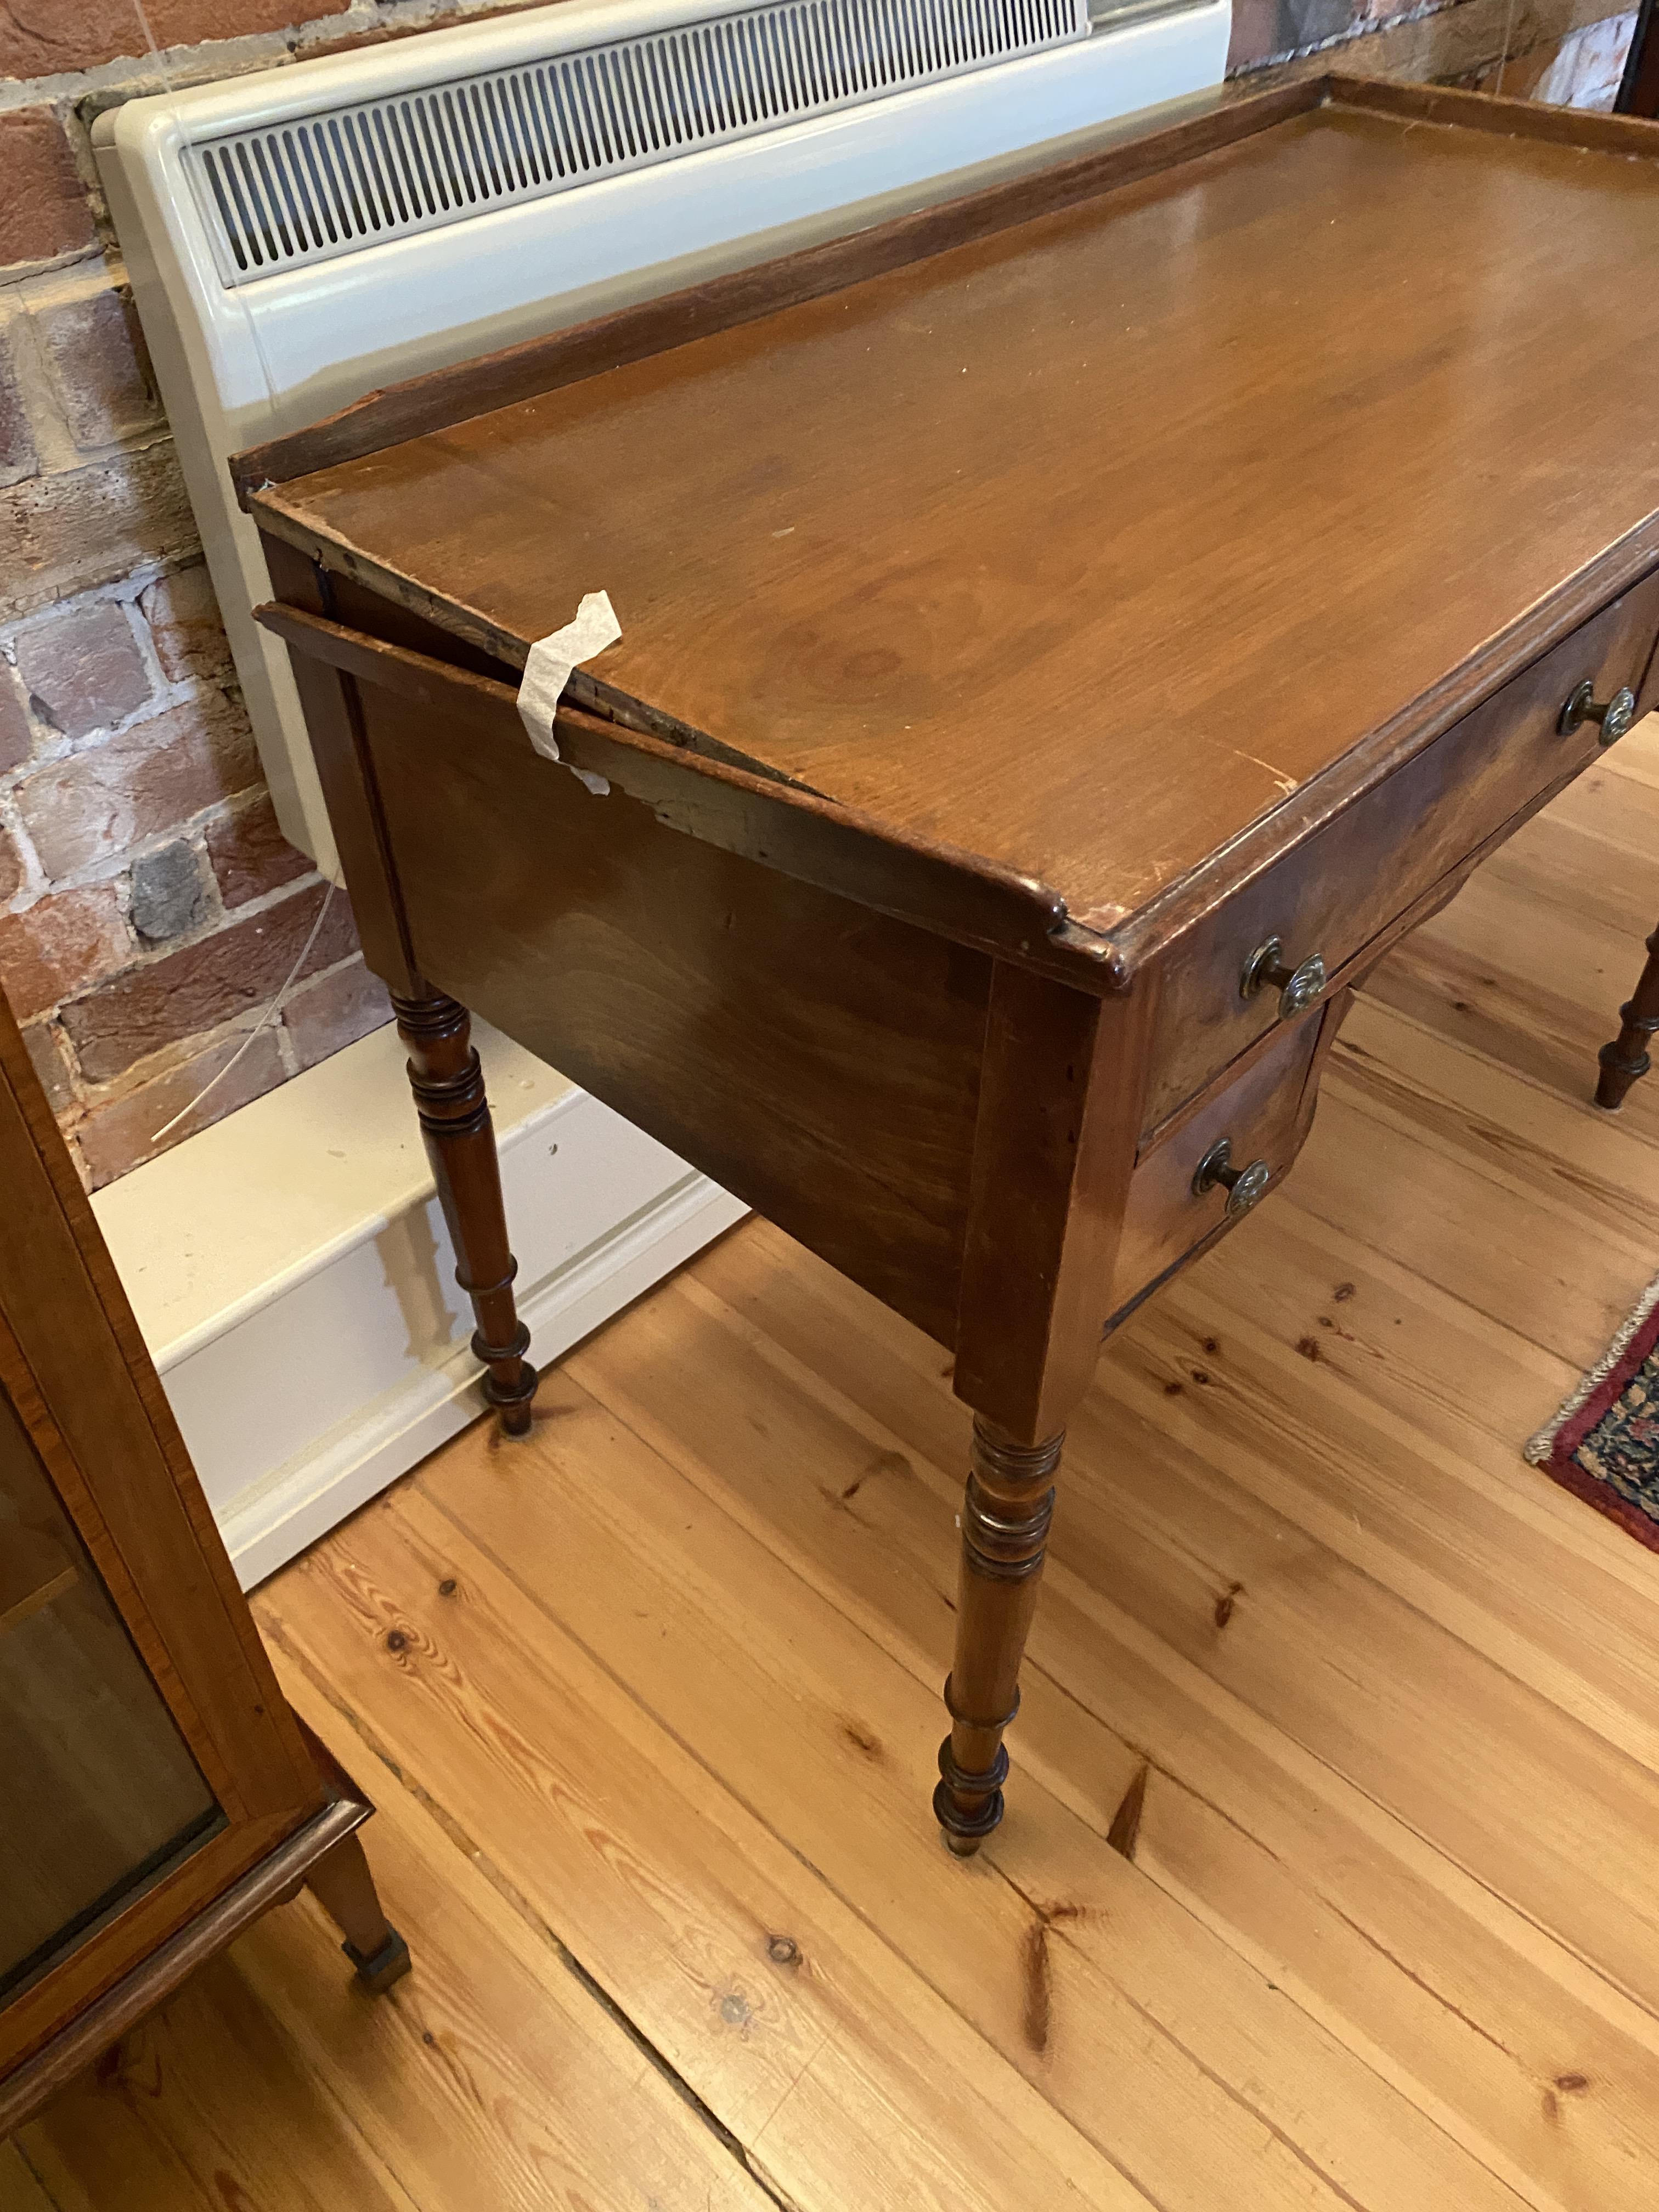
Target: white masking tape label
551	659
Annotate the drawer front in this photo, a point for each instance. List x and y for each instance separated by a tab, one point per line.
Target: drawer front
1338	888
1262	1108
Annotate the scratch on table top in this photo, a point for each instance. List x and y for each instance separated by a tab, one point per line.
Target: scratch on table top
1286	783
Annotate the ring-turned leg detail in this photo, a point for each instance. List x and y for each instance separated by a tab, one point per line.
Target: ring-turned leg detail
461	1142
1627	1057
1008	1505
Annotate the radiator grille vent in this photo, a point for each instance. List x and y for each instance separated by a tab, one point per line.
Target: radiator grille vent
350	176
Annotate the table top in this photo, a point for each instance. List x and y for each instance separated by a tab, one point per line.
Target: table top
1086	543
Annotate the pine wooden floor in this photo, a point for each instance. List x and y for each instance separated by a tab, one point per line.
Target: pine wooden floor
651	1705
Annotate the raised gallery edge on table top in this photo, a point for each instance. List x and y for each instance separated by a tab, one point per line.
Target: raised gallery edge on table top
1080	528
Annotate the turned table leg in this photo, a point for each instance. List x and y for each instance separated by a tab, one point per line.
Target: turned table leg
1627	1057
1005	1512
343	1885
449	1091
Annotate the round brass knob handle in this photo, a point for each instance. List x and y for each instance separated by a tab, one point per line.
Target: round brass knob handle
1615	715
1267	969
1243	1186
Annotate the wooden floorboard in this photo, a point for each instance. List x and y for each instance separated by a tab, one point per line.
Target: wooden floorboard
20	2189
1327	1880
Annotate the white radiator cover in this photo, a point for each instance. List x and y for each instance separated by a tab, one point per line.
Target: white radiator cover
359	171
298	238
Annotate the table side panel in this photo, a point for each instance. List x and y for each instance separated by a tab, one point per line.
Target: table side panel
818	1059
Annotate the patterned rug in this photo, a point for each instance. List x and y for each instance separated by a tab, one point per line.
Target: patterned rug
1603	1445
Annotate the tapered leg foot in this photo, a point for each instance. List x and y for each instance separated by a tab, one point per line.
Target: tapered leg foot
1627	1057
1006	1509
1619	1068
378	1972
461	1142
344	1887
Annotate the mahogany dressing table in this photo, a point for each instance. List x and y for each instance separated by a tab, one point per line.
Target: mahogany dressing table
1069	635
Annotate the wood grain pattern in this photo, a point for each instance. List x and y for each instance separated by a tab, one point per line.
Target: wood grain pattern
521	371
20	2189
874	618
491	2079
796	2056
816	1058
1141	1994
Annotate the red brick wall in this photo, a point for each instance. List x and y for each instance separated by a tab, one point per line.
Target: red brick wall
1567	51
149	907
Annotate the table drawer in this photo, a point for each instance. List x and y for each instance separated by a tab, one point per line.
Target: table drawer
1338	888
1262	1108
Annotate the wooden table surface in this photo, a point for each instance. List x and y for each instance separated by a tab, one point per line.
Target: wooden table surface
1083	545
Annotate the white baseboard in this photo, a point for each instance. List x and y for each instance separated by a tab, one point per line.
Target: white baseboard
293	1280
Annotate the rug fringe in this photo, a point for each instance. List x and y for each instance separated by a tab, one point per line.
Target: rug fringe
1537	1449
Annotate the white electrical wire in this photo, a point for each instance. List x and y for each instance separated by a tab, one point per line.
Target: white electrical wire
269	1013
1504	57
